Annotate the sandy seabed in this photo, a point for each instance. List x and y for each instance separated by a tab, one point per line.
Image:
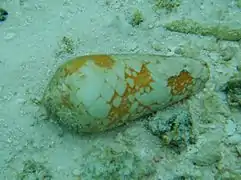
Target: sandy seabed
38	36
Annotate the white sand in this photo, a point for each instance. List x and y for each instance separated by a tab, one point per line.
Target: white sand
28	44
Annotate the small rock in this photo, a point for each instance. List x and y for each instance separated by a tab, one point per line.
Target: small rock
238	149
9	36
234	139
233	91
20	101
150	26
228	53
208	154
156	46
132	46
230	127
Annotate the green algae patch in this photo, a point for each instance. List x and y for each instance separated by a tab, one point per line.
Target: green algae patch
3	14
238	2
189	26
168	5
137	18
34	170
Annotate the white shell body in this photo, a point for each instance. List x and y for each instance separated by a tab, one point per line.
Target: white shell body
99	92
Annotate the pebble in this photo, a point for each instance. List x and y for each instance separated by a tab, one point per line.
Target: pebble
230	127
234	139
10	36
20	101
156	46
76	172
132	46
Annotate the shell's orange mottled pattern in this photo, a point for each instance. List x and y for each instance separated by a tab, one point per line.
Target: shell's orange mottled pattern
103	61
74	65
180	82
141	80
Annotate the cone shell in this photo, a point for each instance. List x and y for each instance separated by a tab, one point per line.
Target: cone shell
98	92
